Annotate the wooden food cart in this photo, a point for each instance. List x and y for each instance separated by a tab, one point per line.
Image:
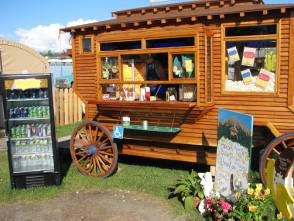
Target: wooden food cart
173	66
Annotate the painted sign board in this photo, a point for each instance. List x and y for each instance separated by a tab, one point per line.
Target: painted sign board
235	132
118	132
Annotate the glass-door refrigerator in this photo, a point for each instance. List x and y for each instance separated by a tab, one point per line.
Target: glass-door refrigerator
28	108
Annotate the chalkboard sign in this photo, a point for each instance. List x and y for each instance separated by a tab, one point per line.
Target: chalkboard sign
233	151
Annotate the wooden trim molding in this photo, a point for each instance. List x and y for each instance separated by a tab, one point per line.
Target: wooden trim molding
291	65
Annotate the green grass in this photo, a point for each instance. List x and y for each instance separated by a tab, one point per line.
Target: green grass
65	130
150	179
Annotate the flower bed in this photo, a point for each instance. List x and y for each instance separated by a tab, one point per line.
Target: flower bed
254	204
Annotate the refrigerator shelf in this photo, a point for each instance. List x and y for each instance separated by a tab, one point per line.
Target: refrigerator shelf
27	99
49	153
35	170
29	118
29	138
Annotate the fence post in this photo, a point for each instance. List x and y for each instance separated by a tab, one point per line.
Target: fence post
66	112
71	106
61	105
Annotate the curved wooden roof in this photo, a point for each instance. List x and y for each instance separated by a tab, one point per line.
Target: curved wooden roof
208	12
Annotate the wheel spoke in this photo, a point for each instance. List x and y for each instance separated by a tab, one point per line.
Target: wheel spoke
90	132
106	153
82	158
105	167
102	134
104	147
84	137
105	159
99	166
284	144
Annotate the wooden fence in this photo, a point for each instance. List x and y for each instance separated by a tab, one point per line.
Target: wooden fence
68	107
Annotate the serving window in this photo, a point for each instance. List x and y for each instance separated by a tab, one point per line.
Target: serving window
251	62
164	70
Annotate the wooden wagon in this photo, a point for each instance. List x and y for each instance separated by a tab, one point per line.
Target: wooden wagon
174	66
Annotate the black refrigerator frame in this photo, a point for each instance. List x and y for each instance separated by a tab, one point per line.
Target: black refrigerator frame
40	177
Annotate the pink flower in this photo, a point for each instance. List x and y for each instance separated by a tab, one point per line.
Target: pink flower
208	202
225	205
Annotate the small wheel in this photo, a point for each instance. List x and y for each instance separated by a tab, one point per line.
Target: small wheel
282	146
92	149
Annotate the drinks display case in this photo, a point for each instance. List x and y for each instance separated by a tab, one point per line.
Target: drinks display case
29	116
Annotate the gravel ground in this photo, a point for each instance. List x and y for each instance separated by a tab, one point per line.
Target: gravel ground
90	206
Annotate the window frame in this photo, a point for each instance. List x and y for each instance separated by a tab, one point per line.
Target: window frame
81	48
225	39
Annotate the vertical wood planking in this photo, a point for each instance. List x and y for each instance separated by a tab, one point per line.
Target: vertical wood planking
61	107
66	114
79	110
75	107
70	106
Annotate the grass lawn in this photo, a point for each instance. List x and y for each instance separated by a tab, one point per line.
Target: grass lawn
152	177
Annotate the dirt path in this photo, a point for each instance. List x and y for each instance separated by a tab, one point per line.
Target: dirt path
90	206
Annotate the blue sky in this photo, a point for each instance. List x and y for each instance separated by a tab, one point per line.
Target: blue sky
21	20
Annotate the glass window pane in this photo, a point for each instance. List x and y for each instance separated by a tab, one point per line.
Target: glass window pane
251	66
87	45
110	68
183	66
251	30
120	45
170	42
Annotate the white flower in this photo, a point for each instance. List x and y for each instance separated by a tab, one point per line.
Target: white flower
201	207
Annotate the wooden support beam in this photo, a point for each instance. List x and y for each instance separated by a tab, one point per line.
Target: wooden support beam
143	11
193	6
149	22
242	14
167	9
193	18
114	14
283	10
264	12
155	10
207	4
136	24
209	17
163	21
95	28
233	2
221	2
180	7
129	13
123	25
221	16
107	26
72	30
83	29
178	20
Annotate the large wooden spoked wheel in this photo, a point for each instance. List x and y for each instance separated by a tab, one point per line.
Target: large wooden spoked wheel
282	146
93	150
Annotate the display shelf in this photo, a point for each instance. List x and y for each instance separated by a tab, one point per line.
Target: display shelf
30	138
29	118
47	153
27	99
159	104
151	128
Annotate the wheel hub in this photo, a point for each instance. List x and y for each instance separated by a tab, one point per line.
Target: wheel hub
92	150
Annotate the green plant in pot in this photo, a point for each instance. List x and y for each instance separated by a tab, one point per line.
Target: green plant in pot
189	190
